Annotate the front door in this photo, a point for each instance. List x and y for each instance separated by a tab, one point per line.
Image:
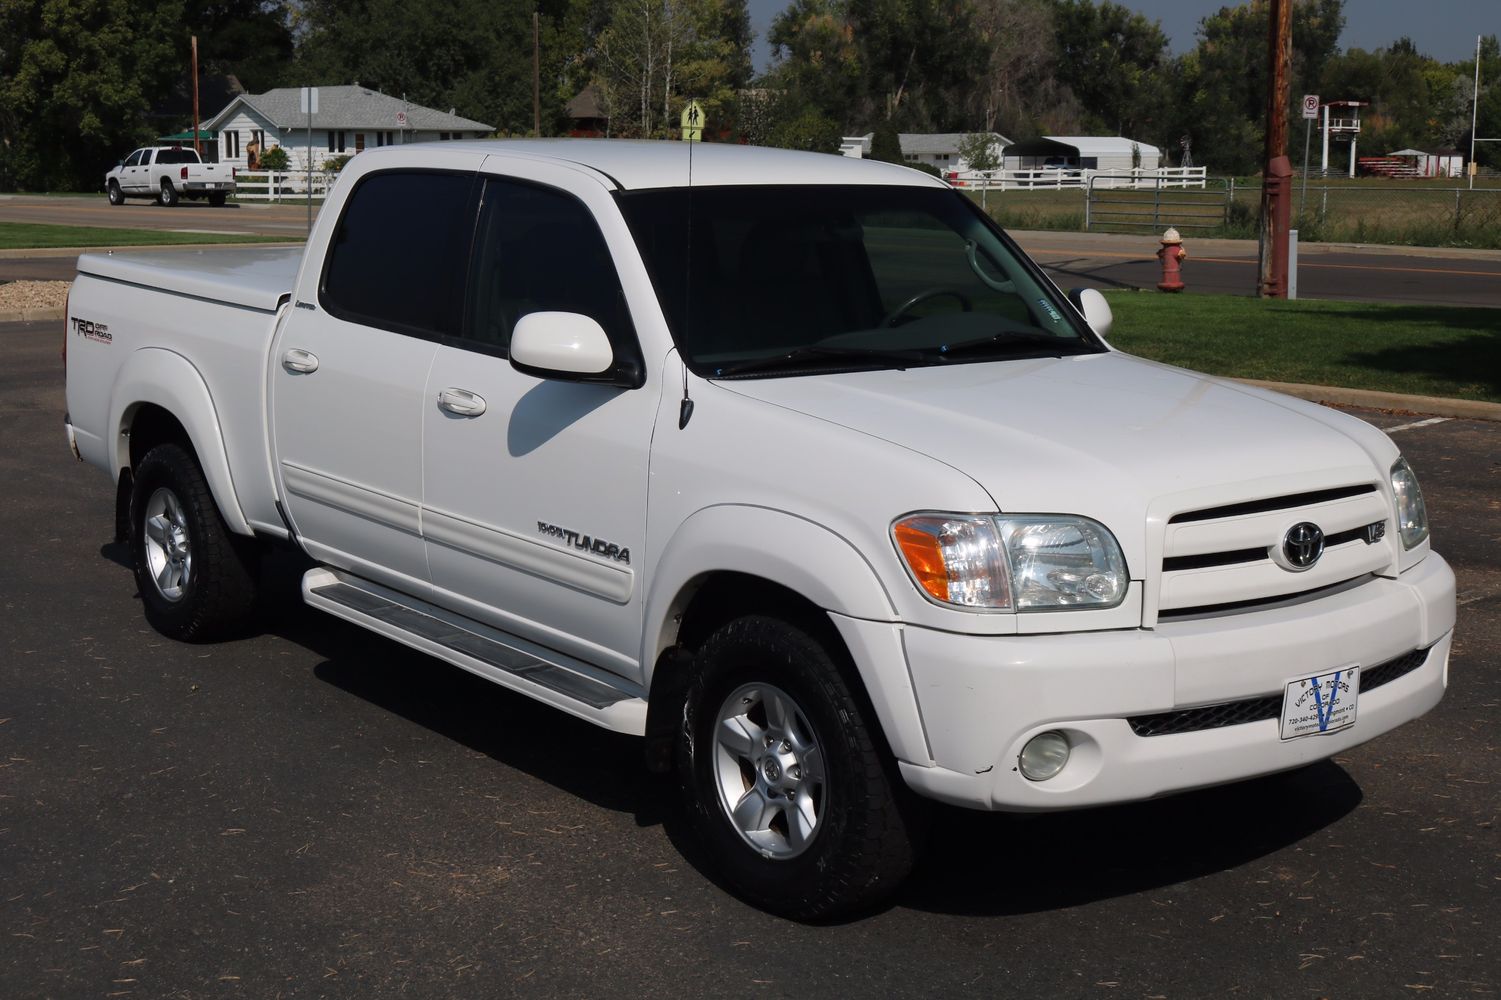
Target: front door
534	490
350	364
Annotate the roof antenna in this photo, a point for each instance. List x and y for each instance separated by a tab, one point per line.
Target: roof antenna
685	408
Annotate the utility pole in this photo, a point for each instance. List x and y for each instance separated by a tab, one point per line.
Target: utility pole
1276	176
197	146
536	77
1474	116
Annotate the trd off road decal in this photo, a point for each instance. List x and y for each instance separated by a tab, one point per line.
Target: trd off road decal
91	330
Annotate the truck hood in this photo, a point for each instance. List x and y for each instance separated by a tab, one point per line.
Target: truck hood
1107	436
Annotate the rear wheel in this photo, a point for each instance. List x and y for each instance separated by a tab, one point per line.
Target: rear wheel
116	196
785	778
169	196
197	580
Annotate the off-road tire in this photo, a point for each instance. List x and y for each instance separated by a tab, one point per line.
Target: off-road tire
218	592
865	842
169	196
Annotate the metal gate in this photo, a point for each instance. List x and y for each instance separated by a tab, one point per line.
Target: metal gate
1154	203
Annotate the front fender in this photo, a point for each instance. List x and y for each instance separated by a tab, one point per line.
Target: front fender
165	378
813	561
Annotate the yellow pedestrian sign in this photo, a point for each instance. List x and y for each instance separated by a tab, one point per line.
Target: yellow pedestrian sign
693	122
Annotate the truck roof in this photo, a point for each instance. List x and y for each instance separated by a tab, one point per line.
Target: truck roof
637	164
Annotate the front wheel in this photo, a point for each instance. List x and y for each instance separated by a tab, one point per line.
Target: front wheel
169	196
784	776
197	580
116	196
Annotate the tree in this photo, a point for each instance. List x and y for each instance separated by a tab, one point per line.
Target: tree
251	39
482	70
886	144
1115	62
76	80
1017	81
656	54
979	151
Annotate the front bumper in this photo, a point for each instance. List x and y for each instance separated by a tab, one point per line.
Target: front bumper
981	698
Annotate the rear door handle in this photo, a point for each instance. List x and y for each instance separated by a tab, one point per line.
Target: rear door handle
461	402
303	362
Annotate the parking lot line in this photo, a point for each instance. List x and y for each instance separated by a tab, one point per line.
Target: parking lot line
1416	424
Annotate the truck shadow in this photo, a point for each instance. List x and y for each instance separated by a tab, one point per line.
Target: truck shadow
974	864
995	864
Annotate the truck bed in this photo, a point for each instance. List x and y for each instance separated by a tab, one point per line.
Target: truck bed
257	278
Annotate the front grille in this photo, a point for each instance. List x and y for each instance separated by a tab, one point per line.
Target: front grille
1228	558
1235	713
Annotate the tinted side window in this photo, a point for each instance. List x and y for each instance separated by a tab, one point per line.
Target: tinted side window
397	259
540	250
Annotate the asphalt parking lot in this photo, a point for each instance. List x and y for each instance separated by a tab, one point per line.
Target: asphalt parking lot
313	811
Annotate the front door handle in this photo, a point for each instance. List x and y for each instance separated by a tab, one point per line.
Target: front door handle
302	362
461	402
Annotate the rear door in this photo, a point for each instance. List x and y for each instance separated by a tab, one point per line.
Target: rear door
534	490
351	361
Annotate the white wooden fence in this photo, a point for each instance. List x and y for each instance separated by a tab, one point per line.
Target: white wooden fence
1046	180
289	185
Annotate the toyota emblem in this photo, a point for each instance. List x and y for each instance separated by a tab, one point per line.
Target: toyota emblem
1302	545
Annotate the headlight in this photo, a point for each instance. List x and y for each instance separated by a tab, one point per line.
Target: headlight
1412	515
1020	563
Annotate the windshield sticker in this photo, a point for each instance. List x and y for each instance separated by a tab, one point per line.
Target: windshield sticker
1051	310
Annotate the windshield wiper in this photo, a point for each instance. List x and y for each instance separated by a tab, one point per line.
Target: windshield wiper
1030	343
799	357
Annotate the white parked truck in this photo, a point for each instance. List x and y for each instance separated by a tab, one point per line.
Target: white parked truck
168	174
794	465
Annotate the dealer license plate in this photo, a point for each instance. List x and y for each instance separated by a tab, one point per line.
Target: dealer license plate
1322	704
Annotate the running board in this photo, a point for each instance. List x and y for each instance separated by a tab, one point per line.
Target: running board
510	661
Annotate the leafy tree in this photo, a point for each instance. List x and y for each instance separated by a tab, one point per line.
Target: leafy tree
474	56
980	151
1115	62
76	80
251	39
1017	83
857	61
886	144
656	54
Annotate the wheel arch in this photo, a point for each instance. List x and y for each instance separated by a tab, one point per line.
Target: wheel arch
159	396
730	561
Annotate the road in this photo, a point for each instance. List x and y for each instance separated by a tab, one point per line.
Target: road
311	811
1381	274
1424	276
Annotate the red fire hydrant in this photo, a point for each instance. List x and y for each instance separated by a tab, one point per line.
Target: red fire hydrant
1171	255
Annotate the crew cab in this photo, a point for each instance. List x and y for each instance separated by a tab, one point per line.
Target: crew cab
168	174
791	464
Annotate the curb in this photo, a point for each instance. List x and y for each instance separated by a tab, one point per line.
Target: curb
22	254
1437	406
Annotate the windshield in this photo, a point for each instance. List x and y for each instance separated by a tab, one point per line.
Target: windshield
783	280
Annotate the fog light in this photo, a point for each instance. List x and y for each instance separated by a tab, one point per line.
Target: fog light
1044	756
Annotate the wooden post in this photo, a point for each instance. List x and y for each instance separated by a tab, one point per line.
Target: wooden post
197	146
1276	176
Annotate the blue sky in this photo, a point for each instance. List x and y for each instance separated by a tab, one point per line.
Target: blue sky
1444	29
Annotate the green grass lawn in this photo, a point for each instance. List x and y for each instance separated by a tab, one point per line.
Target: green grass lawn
1423	350
32	236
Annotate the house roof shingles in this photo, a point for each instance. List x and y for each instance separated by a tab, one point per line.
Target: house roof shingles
347	107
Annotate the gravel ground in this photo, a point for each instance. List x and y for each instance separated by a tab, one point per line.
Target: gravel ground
33	295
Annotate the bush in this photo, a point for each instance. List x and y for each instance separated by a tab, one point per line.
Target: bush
886	145
334	164
274	159
926	168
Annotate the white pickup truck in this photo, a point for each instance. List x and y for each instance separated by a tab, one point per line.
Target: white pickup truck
168	174
794	465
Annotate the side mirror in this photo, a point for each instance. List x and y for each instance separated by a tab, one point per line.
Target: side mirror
1096	311
563	345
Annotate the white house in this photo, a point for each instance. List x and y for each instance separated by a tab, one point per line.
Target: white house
936	149
349	119
1081	152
